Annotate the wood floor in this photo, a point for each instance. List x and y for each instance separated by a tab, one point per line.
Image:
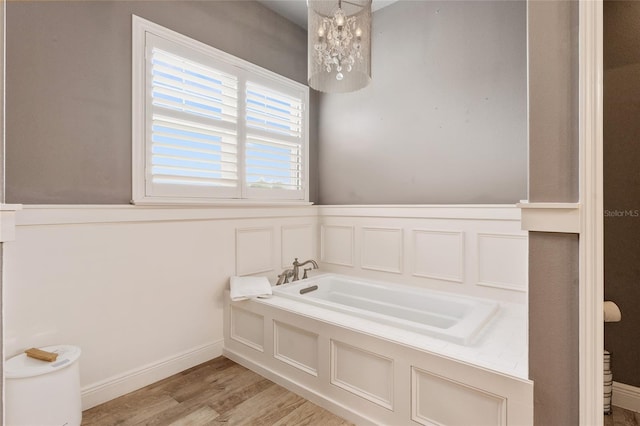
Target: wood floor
218	392
622	417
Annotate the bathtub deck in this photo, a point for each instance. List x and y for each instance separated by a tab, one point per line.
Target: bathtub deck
218	392
502	345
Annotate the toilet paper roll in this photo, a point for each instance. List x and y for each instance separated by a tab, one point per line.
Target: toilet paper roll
611	312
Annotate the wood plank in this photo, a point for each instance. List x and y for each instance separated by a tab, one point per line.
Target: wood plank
129	409
223	396
265	408
621	417
201	417
309	414
213	393
183	387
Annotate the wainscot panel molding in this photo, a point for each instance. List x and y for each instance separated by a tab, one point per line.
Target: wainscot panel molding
370	375
337	245
502	261
432	394
296	347
382	249
438	254
364	373
297	241
247	328
254	250
139	289
474	250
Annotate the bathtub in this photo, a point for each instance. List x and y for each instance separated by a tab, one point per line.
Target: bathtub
387	354
452	318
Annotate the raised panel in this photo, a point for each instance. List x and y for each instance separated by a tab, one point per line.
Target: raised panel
337	245
247	328
440	401
382	249
502	261
363	373
296	347
297	241
438	255
254	250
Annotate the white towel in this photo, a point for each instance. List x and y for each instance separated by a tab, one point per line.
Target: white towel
243	288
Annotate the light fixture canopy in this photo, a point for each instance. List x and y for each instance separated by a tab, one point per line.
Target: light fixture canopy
339	45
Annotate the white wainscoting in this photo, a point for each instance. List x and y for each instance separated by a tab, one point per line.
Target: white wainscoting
388	256
364	373
138	289
475	250
254	250
432	395
438	255
502	261
298	241
337	245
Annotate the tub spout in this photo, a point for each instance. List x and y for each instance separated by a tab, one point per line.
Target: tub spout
297	265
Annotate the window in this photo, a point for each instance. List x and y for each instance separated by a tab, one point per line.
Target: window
208	126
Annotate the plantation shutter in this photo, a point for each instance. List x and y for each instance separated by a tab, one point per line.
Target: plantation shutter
274	149
211	128
192	109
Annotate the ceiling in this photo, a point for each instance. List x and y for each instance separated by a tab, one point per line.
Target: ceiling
296	10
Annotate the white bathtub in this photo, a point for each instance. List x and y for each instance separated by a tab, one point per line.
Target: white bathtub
374	369
453	318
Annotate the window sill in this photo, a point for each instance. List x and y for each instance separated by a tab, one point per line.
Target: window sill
178	203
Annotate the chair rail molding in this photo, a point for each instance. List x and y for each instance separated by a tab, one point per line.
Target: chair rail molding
8	221
551	217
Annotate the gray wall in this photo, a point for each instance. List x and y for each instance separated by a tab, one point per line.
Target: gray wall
69	86
553	176
444	119
553	102
622	184
2	89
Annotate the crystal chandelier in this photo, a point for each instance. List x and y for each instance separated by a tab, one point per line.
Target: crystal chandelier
339	45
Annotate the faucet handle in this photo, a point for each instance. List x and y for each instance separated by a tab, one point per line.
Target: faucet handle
305	272
283	278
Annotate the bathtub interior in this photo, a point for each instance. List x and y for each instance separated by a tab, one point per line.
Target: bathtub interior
453	318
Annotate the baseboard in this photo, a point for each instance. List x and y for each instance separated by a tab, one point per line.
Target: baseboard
626	396
317	398
129	381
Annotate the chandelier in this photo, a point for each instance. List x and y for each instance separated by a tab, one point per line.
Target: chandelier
339	45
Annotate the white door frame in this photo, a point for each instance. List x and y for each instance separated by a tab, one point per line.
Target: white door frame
591	287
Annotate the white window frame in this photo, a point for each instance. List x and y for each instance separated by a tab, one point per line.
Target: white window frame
245	71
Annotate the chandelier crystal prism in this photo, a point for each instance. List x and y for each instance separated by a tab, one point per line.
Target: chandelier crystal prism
339	45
